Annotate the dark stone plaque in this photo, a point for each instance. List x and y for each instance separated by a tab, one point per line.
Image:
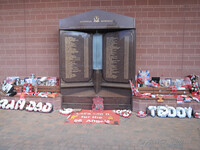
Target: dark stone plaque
117	56
76	58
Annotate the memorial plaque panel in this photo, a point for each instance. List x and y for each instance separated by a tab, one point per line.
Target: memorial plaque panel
76	56
117	56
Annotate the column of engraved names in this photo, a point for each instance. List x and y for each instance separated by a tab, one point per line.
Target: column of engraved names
71	59
111	57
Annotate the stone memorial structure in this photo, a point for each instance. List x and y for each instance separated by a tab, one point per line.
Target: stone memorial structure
97	58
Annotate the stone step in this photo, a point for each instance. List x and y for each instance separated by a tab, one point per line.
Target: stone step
113	98
89	106
107	100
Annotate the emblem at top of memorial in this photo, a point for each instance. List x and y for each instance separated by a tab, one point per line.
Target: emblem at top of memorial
96	19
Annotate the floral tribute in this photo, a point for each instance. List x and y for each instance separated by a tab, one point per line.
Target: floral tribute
28	106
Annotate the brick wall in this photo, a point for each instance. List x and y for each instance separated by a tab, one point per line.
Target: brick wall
168	34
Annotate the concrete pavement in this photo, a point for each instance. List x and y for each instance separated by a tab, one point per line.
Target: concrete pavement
22	130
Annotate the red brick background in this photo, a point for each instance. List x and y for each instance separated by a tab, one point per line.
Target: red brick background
168	34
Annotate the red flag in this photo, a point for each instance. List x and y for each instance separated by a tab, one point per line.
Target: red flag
135	92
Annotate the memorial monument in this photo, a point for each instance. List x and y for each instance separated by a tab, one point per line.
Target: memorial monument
97	58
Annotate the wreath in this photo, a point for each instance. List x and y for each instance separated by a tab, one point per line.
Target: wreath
28	88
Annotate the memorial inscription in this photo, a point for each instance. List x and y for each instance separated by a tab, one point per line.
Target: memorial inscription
76	55
86	58
71	59
112	59
126	57
117	53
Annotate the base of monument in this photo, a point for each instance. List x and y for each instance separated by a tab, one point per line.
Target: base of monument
113	99
140	104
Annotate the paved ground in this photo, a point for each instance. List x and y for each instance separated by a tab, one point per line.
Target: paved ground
31	130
